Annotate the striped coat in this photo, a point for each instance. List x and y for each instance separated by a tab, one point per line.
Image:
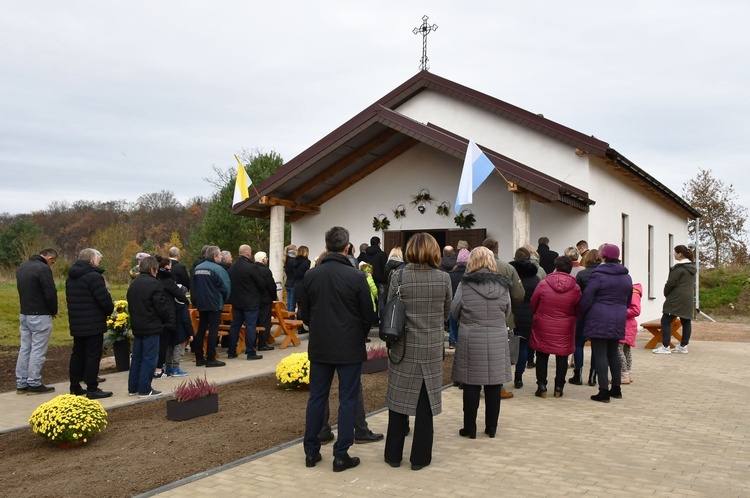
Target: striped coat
427	297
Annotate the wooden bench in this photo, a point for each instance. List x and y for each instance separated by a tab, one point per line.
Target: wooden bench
654	326
285	322
225	324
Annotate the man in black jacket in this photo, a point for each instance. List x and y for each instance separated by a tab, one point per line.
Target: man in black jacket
268	296
335	302
546	256
378	259
89	306
149	317
247	285
38	295
179	271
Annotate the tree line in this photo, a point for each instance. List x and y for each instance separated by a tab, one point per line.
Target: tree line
153	223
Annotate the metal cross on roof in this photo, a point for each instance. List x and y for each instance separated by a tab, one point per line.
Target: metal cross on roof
425	29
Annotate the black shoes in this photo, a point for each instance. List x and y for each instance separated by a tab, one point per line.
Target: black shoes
468	433
530	364
417	467
392	464
576	379
23	390
340	464
558	392
215	363
592	377
615	392
200	362
266	348
541	391
328	439
231	355
98	394
367	438
491	432
78	391
601	396
255	357
40	389
310	461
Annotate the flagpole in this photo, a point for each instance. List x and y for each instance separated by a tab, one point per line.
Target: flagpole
252	184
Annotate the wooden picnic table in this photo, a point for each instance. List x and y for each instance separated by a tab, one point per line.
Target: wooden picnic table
654	326
224	325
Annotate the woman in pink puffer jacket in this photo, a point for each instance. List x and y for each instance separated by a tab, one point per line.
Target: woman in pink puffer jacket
631	329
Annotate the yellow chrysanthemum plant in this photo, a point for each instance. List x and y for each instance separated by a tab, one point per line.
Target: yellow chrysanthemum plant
68	420
118	324
293	372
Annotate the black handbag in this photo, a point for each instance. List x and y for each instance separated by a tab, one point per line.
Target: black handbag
393	321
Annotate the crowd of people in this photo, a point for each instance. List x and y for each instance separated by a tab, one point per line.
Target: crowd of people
544	303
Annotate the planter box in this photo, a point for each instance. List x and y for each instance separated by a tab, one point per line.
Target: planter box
376	365
185	410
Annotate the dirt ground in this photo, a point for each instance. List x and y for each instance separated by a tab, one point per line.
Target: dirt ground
141	450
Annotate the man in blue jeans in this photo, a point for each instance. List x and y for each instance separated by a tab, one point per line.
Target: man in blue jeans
247	284
38	295
149	316
335	302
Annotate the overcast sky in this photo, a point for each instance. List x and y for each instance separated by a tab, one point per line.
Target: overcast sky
115	99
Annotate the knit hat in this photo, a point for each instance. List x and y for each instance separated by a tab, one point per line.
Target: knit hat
260	256
463	257
610	251
141	255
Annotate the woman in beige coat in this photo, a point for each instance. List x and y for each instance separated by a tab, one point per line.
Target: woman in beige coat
415	372
481	306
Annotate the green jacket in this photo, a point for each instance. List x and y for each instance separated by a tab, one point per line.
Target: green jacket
679	291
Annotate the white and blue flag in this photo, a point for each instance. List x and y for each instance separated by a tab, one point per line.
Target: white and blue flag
477	167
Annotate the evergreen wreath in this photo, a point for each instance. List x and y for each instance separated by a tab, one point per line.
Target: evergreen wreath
444	209
465	219
399	212
380	222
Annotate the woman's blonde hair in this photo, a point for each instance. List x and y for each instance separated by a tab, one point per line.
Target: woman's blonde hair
396	252
423	249
572	253
303	252
481	257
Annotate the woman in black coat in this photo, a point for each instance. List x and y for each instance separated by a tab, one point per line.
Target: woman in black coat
589	261
300	266
527	271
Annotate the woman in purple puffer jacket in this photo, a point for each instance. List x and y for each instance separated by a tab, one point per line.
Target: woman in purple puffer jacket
604	307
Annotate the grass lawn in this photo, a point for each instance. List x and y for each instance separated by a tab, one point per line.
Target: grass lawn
9	310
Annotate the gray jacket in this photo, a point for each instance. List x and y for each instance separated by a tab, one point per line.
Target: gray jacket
482	305
427	295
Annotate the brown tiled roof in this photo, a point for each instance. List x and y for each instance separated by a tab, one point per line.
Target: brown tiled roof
378	134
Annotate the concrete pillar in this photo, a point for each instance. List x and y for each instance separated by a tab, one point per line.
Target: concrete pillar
276	249
521	219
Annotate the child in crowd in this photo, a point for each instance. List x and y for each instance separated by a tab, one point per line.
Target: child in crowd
367	268
631	329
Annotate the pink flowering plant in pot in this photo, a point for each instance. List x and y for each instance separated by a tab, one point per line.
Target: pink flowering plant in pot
193	398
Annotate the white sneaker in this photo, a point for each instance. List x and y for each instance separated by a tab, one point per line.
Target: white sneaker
662	350
680	349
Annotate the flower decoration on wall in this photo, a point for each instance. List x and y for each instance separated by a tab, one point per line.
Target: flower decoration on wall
423	197
399	212
444	209
380	222
465	219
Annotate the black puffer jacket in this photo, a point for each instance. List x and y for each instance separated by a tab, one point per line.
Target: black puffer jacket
89	300
583	276
335	301
149	310
378	259
36	287
268	292
523	312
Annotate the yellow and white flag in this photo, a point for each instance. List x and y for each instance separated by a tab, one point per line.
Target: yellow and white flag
242	186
